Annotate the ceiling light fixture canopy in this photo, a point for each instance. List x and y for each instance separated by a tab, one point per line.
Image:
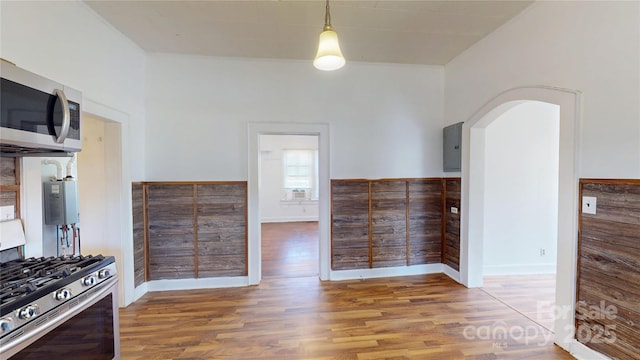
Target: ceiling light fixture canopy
329	56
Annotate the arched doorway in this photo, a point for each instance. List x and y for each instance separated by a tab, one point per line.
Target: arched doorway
473	177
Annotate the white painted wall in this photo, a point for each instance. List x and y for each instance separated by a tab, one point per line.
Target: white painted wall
590	46
385	120
521	190
66	41
273	207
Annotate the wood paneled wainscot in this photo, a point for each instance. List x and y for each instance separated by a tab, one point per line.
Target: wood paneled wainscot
189	230
350	225
608	295
425	221
451	246
10	184
171	231
138	196
222	229
388	222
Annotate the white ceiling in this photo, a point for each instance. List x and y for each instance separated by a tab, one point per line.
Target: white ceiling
390	31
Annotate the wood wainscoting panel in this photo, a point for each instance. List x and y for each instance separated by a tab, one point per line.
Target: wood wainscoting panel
138	203
10	184
8	174
350	241
452	223
171	234
425	221
388	223
222	229
609	269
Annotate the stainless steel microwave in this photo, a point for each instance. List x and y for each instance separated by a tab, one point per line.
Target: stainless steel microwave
39	117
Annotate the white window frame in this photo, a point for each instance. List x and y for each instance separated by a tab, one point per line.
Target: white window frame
292	193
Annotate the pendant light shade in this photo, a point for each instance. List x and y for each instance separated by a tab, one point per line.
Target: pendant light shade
329	56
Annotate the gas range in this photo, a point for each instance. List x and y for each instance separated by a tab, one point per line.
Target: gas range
36	291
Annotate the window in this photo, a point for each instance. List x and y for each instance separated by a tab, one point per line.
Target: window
300	174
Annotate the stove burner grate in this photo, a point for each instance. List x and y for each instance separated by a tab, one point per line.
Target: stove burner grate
19	278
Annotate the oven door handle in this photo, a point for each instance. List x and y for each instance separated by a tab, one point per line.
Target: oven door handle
66	116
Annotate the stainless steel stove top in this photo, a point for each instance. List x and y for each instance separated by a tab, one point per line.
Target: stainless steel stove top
31	288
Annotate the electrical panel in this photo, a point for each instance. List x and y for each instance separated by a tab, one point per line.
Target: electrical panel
60	202
452	151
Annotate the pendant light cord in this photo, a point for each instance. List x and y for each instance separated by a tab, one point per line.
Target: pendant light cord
327	18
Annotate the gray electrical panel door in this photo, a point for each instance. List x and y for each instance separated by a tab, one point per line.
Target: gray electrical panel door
452	151
60	203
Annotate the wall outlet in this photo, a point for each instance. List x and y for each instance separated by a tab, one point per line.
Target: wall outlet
543	252
7	212
454	210
589	204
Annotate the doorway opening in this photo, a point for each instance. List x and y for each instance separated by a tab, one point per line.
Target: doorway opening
321	133
521	209
474	176
289	205
99	185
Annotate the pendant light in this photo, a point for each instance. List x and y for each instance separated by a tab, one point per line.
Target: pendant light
329	56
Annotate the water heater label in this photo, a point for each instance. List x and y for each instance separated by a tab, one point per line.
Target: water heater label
55	189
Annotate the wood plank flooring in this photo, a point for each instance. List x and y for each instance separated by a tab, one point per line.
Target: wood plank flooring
531	295
293	315
290	249
416	317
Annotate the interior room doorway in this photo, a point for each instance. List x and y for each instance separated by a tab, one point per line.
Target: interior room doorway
289	193
256	130
99	178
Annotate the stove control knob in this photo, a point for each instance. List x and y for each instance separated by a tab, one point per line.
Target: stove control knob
89	280
63	294
6	325
104	273
28	312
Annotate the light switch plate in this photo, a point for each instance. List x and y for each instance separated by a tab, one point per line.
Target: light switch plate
589	204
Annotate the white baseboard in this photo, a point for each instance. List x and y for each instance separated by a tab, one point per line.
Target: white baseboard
288	219
515	269
190	284
140	291
581	352
338	275
450	272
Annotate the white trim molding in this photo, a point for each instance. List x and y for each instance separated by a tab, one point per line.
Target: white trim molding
191	284
337	275
450	272
582	352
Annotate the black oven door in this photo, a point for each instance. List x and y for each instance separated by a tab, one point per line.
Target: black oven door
88	330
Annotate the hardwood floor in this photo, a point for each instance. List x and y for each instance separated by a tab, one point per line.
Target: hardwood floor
531	295
293	315
416	317
290	249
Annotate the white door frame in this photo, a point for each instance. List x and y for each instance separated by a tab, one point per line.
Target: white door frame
119	170
254	245
473	178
